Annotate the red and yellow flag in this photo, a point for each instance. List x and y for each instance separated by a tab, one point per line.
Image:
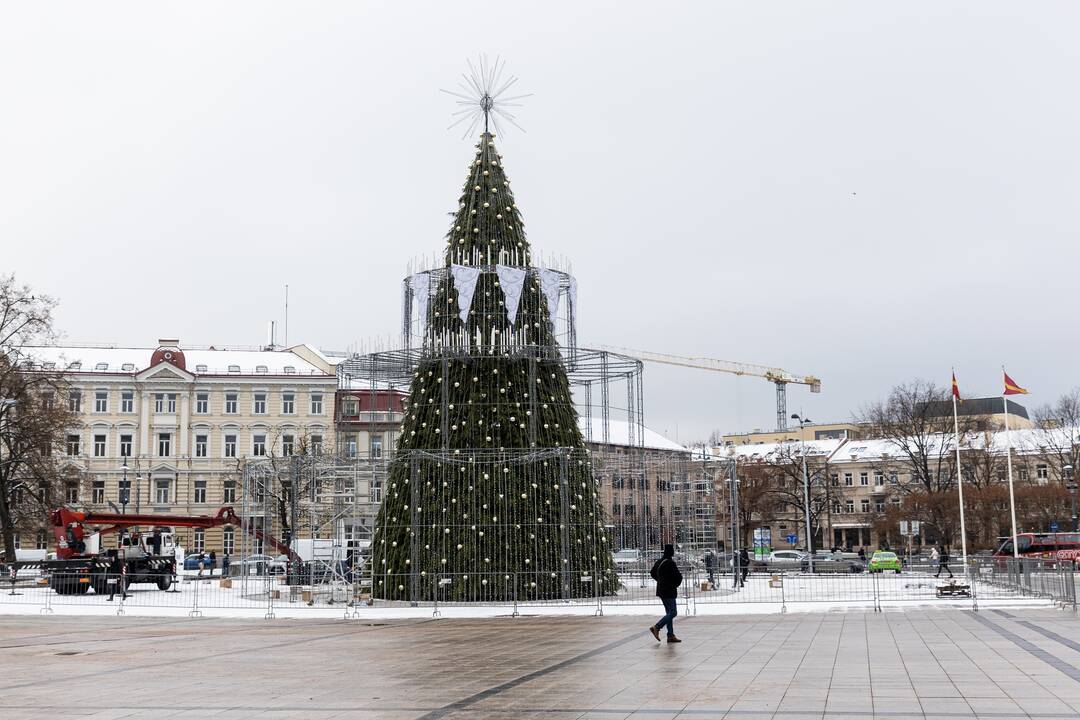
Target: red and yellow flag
1011	388
956	389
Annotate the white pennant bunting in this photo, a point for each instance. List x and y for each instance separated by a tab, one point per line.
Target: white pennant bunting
511	280
420	284
465	283
549	284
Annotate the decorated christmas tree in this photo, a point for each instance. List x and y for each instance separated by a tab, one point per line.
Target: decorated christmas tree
490	494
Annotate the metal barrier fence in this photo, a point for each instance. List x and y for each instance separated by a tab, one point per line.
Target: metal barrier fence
261	595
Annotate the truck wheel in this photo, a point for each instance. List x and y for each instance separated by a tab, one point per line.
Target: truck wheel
164	582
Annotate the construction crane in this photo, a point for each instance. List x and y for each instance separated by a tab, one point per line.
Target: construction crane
780	378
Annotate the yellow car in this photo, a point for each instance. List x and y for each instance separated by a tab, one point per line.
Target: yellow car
882	560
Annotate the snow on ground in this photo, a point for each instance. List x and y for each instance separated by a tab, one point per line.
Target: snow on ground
798	593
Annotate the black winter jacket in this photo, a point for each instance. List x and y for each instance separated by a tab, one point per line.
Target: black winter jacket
668	578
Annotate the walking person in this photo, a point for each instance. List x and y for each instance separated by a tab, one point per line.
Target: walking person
710	567
225	565
668	578
935	559
943	561
744	566
213	562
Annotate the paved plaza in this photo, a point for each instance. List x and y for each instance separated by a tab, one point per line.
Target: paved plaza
922	663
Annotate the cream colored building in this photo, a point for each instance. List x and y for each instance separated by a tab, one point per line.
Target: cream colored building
174	425
824	431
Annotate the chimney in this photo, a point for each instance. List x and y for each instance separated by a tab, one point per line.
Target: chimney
168	342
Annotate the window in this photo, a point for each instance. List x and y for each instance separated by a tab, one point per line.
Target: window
200	446
316	444
125	446
159	402
127	401
849	506
164	444
42	540
259	405
127	367
834	479
230	446
262	369
258	445
199	543
350	407
879	505
75	401
1042	471
170	404
200	491
290	370
200	368
865	505
894	477
864	478
73	445
101	366
350	446
1023	473
123	491
97	492
228	491
836	508
376	446
234	368
895	500
230	403
202	403
288	403
879	477
101	401
99	446
228	541
316	403
287	443
161	491
848	479
71	491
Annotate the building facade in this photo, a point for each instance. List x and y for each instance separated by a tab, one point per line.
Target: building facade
168	429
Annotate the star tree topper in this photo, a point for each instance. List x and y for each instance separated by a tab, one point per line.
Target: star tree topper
482	96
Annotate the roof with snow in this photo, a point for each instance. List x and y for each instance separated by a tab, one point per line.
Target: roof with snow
770	452
203	361
619	434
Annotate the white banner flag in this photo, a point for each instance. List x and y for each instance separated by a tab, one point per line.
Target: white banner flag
549	284
420	284
465	283
511	280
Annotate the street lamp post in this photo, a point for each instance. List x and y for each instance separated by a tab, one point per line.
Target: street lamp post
125	492
806	490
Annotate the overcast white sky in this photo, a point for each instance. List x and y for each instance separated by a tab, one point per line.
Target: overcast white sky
868	192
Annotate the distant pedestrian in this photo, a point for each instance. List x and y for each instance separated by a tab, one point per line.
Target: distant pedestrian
710	566
744	565
862	554
213	562
668	578
225	565
202	563
943	561
935	558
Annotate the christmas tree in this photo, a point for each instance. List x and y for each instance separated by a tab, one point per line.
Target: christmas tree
490	495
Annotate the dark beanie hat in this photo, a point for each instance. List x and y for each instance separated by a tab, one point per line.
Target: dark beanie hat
669	551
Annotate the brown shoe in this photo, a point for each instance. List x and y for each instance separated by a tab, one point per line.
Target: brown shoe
655	632
672	639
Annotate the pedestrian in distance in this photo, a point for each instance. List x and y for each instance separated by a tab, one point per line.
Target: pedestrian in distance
213	562
862	554
668	579
202	564
710	567
935	559
225	565
943	561
744	566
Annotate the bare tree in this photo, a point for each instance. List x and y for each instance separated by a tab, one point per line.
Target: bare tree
1057	435
34	413
920	438
758	504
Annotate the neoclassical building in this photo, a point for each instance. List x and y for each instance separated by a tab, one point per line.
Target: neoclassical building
172	425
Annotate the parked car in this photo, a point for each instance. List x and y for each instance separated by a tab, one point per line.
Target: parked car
830	562
259	565
627	558
191	562
780	560
883	560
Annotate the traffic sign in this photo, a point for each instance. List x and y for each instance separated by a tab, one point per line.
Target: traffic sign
792	539
1053	527
904	527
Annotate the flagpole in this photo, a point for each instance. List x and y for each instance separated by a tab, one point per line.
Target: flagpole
960	480
1008	456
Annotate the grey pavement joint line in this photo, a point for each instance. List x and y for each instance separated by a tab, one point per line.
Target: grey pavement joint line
1071	644
1048	658
509	684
